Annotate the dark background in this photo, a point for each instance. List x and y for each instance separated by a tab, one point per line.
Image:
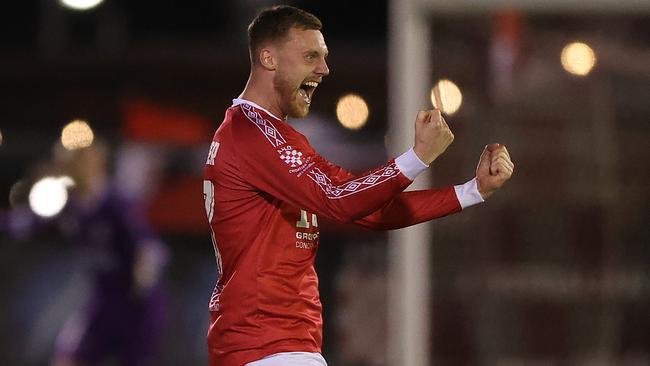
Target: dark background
552	271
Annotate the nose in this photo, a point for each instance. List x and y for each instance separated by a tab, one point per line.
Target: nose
322	69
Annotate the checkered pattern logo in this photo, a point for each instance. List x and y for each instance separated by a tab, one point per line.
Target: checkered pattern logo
293	158
268	129
346	189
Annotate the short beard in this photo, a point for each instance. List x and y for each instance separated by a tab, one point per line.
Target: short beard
287	95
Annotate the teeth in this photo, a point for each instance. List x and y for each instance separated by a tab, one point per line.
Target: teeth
312	84
305	97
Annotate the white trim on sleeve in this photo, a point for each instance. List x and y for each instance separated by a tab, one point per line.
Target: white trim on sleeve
468	194
410	165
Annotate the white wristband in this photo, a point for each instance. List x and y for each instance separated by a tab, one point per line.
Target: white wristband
468	194
410	165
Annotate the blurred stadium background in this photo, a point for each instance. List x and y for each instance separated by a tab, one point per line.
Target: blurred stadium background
554	270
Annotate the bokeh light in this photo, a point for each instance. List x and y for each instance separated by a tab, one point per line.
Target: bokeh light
49	195
352	111
81	4
0	138
578	58
446	96
76	135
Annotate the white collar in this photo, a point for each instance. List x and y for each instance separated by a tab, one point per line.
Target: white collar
238	101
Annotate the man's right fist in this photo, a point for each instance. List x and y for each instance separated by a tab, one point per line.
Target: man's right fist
432	135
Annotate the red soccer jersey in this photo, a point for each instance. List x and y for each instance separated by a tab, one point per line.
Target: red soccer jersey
264	187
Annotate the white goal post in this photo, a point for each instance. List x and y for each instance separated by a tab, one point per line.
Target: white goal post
409	68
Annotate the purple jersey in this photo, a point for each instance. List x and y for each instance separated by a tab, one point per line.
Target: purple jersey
124	313
115	232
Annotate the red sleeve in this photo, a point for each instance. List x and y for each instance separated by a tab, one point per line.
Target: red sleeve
409	208
276	159
414	207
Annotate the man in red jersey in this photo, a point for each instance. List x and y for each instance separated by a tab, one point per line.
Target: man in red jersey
265	186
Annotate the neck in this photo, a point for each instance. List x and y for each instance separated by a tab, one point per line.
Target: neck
92	190
261	92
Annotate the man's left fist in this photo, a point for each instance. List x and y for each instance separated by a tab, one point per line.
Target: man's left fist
493	170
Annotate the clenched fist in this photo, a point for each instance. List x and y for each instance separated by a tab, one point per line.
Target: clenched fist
493	170
432	135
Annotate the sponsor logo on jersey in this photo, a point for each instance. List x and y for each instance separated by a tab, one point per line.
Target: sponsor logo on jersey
304	245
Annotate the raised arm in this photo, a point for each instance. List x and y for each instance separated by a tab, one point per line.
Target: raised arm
409	208
276	159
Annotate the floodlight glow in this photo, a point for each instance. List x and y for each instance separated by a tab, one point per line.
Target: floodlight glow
446	96
49	195
352	111
578	58
76	135
80	4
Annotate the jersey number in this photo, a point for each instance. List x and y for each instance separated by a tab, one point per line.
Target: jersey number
208	195
303	223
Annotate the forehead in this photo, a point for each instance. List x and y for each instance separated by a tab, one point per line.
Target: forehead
306	40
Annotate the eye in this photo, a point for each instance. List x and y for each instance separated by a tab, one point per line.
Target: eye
311	57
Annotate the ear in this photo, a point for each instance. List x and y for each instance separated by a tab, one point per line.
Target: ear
267	60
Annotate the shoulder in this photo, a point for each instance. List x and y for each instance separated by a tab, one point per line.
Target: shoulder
251	122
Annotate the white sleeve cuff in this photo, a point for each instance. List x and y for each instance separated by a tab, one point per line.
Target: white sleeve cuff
468	194
410	165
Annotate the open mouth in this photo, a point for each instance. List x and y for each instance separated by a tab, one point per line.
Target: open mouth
306	90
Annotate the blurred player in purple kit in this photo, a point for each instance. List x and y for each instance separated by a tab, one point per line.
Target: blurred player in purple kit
121	319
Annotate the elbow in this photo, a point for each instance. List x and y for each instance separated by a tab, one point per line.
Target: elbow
345	218
351	212
351	216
